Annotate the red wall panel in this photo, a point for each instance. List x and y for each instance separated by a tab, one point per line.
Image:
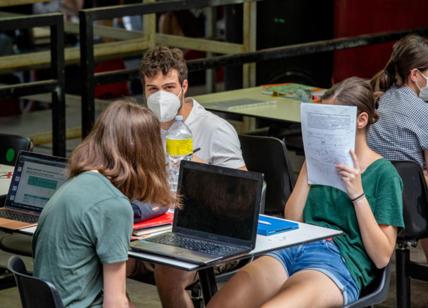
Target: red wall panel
356	17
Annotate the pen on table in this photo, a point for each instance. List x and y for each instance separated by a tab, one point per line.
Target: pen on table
6	175
264	222
196	150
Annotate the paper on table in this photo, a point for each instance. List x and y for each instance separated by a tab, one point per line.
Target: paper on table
328	135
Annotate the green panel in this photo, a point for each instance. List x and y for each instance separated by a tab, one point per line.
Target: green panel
41	182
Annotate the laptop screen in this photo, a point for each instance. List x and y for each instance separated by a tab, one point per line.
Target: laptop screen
35	178
224	203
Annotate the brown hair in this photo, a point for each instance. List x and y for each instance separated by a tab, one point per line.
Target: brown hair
163	59
125	146
357	92
408	53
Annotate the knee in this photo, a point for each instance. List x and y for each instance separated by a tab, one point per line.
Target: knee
221	302
173	277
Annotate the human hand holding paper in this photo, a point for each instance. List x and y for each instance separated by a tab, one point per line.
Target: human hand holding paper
351	177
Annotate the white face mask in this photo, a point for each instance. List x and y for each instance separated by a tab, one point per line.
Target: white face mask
164	105
423	92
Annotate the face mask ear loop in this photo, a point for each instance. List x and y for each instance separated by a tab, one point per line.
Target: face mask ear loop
426	79
181	95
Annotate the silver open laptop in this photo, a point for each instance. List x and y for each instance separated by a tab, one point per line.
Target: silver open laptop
218	217
35	178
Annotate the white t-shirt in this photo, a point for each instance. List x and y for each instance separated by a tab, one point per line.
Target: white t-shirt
216	137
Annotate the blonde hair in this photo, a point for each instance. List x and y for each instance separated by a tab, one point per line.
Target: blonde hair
126	147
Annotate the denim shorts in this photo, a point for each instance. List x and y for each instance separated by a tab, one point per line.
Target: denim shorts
313	256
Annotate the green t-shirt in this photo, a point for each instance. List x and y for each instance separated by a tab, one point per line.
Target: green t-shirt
329	207
85	224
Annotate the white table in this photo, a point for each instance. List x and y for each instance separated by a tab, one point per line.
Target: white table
253	103
5	179
305	233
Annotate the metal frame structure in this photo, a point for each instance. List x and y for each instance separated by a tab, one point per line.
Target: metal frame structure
150	38
247	55
276	53
55	85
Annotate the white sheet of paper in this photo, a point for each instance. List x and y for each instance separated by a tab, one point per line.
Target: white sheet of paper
328	135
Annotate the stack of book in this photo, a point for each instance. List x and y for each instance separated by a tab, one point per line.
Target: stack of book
153	226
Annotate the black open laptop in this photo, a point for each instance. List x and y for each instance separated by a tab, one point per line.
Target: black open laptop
35	178
218	217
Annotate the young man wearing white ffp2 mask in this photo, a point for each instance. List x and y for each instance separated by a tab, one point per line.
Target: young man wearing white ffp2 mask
164	78
164	105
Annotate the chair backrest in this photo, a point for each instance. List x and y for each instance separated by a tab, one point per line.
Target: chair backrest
376	292
269	156
10	145
33	291
415	202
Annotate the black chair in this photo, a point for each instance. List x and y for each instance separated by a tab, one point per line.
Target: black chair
415	201
34	292
376	292
269	156
291	135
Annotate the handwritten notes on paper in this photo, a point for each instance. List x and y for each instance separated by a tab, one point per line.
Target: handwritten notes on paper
328	135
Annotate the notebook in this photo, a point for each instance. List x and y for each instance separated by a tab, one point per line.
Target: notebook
269	225
161	220
35	178
217	219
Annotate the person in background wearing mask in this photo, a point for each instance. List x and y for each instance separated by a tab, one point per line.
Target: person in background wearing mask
402	130
164	78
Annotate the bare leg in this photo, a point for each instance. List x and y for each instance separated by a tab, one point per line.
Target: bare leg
424	244
131	267
252	285
307	288
168	24
135	267
171	284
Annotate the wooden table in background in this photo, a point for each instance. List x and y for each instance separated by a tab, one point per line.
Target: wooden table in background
19	2
252	103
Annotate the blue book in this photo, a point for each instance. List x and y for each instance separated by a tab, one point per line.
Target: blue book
269	225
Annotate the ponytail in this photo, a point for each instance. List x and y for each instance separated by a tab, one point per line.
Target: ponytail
408	53
386	78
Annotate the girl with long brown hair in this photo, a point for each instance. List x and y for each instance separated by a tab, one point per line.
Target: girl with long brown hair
81	242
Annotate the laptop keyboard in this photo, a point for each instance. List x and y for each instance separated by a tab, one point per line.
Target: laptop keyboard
209	248
18	216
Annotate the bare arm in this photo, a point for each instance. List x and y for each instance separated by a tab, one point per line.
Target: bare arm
115	285
378	240
197	159
72	7
296	202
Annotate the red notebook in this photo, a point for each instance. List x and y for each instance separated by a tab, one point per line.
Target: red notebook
164	219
